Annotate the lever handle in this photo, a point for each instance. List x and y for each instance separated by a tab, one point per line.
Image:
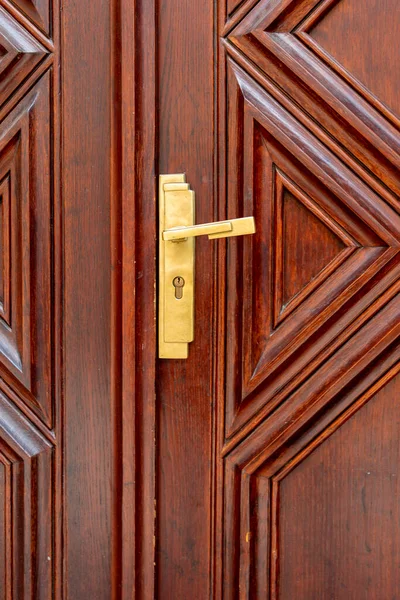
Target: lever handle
177	246
219	229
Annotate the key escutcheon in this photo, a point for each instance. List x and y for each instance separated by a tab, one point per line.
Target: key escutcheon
178	283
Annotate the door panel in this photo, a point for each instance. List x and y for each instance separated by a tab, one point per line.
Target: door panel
25	326
373	69
312	313
278	42
276	156
352	471
306	311
27	342
300	545
66	493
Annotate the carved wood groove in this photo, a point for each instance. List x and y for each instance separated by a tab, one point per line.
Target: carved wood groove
292	66
5	525
28	25
345	151
305	33
21	54
284	304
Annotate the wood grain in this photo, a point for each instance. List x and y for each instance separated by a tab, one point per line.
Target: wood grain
362	129
27	507
261	355
5	249
352	470
21	55
26	326
38	11
262	465
68	279
373	72
186	144
88	197
29	336
307	309
138	340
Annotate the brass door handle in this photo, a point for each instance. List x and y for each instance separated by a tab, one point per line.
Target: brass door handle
177	261
218	229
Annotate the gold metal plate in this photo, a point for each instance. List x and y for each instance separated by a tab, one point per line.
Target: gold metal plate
176	315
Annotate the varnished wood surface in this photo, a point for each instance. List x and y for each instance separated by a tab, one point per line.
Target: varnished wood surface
30	489
184	400
307	311
374	64
67	172
264	466
351	493
88	322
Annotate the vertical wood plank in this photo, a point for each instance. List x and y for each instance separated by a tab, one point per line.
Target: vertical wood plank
186	117
86	141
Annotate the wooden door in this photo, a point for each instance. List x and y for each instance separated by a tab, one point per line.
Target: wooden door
278	439
265	465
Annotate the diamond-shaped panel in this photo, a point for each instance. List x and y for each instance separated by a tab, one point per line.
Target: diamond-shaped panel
312	312
25	250
20	54
288	319
312	495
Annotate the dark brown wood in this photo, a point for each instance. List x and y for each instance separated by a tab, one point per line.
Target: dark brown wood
357	490
109	342
265	465
29	315
185	399
312	306
76	451
89	385
139	222
306	312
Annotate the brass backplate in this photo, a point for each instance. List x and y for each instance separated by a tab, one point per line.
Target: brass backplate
176	263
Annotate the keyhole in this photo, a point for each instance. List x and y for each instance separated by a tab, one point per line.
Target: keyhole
178	283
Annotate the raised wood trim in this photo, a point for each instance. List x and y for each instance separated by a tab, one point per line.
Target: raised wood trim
137	32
